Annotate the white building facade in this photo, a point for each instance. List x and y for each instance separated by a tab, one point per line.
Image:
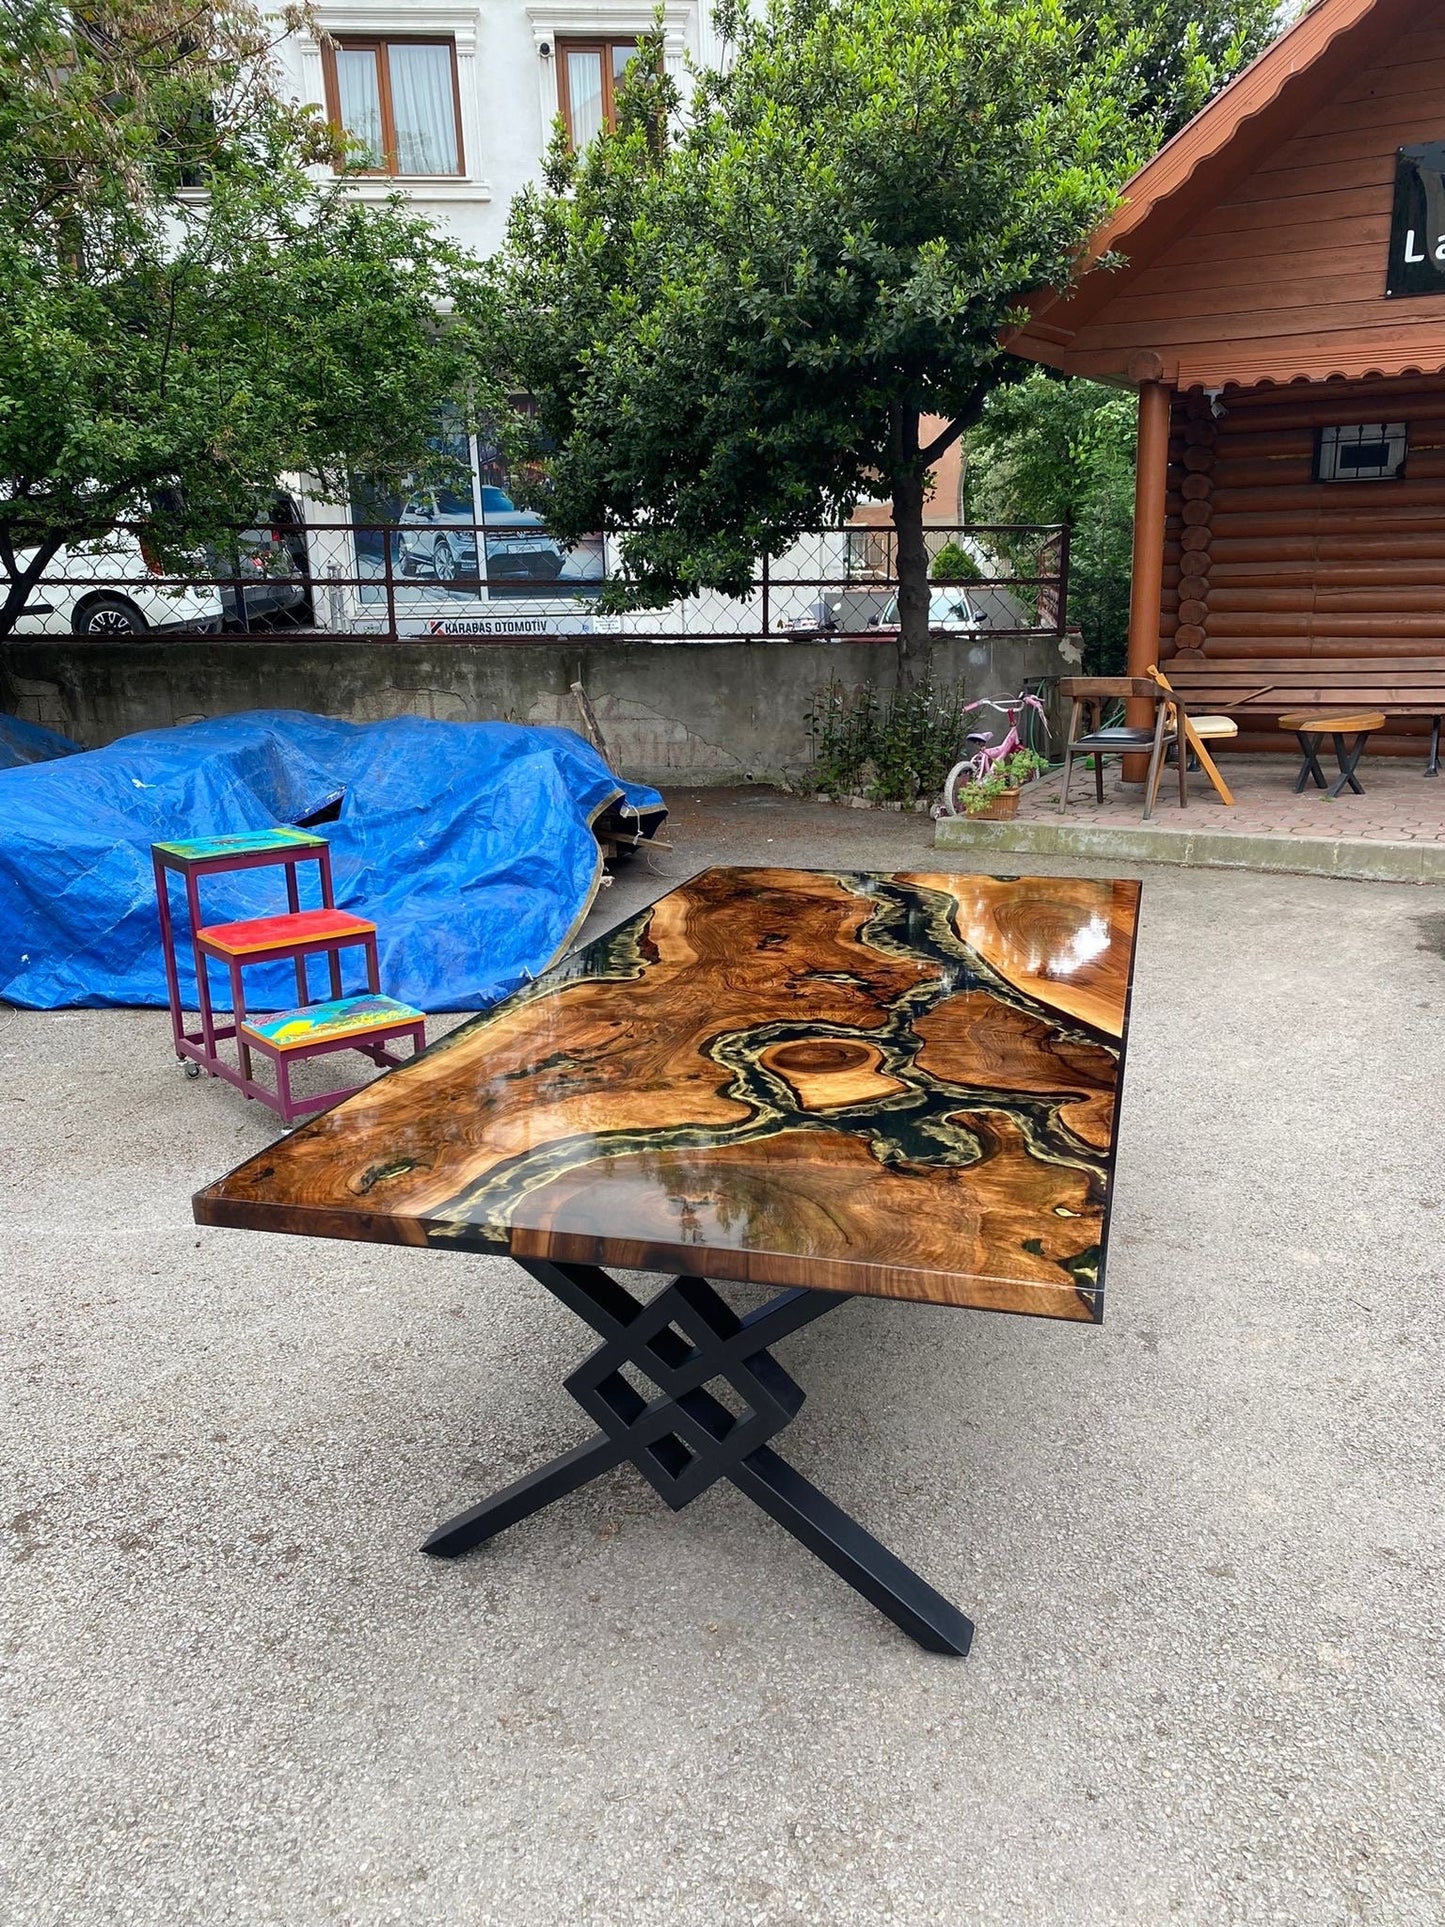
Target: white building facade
456	99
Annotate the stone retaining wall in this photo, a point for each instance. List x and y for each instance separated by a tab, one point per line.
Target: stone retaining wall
693	713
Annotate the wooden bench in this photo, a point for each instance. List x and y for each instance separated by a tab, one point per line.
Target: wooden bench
1260	689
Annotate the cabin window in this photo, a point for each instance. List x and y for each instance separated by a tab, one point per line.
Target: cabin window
1361	452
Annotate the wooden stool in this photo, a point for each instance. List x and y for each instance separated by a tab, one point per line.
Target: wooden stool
1312	725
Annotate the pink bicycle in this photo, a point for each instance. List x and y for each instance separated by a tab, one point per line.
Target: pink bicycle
978	766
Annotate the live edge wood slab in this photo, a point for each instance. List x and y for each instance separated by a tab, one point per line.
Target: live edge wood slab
902	1084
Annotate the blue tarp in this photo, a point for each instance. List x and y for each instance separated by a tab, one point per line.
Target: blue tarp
29	743
468	844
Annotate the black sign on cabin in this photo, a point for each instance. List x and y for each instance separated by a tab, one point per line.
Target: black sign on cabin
1417	231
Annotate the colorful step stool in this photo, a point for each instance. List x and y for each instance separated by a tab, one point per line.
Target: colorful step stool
346	1023
359	1022
299	934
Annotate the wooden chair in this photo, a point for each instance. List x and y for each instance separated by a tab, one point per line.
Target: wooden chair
1087	734
1195	729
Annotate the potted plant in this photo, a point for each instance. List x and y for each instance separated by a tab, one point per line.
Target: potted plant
997	793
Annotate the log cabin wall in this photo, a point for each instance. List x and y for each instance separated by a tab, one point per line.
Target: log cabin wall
1263	560
1252	258
1284	275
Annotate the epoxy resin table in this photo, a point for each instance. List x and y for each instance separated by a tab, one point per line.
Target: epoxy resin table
901	1085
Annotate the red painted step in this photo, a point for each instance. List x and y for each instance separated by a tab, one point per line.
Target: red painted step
296	926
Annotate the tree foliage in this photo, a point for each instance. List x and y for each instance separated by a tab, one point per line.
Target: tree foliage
734	329
1047	450
187	316
1187	49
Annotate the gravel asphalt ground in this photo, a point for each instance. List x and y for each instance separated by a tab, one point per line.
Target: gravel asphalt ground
1202	1543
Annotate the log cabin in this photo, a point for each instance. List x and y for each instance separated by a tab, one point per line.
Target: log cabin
1277	298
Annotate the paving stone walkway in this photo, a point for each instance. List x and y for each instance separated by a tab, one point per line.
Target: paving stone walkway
1394	832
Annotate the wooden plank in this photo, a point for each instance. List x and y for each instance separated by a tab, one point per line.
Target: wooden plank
1229	247
1369	109
1336	577
1342	505
1310	407
1240	681
1269	622
1281	294
1255	648
1187	270
1329	143
1360	320
1374	169
1313	598
1257	217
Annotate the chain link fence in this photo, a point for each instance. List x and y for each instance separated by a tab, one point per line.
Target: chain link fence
443	575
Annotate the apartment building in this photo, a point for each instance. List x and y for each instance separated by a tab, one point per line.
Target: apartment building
455	100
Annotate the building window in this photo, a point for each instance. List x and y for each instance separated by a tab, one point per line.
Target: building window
588	73
398	99
1361	452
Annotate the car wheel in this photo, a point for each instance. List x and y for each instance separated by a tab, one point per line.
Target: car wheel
108	615
443	563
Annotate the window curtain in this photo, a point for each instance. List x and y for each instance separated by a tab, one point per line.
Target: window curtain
584	94
424	107
359	100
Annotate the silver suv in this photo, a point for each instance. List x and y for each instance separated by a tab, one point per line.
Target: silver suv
438	532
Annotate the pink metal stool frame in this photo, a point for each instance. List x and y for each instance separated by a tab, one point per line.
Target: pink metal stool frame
198	1049
216	856
291	1107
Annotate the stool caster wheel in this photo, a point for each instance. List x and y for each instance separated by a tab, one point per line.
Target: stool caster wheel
192	1068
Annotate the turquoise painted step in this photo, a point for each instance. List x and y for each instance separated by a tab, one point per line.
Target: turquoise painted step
349	1017
250	843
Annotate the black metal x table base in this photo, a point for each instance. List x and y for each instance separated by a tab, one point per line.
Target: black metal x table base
1347	756
720	1396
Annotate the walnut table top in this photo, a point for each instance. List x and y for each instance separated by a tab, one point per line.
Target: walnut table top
895	1084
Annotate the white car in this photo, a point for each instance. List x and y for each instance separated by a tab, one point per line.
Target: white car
113	588
950	613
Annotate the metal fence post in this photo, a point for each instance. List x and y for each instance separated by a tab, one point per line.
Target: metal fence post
387	563
766	630
1066	534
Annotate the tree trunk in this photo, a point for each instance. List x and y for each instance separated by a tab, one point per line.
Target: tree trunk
16	583
912	561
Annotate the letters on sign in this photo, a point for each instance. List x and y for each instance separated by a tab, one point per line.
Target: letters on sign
1417	231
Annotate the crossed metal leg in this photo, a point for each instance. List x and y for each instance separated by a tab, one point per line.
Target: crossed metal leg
1347	756
721	1397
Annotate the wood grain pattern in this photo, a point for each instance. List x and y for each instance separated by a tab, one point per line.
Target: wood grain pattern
903	1085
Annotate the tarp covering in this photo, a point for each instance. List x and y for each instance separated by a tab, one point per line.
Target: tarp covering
468	844
29	743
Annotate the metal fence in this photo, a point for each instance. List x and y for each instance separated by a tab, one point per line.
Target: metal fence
508	577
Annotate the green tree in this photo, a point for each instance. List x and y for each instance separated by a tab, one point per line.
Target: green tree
1053	450
1047	450
187	317
736	327
1187	49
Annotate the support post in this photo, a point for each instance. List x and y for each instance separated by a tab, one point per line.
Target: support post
1151	485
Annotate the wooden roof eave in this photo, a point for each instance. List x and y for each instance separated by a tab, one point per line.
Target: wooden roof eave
1291	79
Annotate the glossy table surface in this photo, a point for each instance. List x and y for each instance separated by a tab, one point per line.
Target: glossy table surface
904	1085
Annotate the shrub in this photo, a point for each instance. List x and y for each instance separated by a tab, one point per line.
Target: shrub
893	749
955	564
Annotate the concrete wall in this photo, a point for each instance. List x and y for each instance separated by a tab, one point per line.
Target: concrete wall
671	713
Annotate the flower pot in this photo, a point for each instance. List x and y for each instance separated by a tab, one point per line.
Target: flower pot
997	807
